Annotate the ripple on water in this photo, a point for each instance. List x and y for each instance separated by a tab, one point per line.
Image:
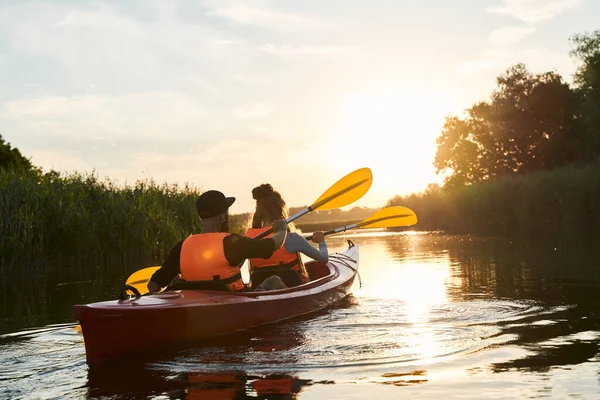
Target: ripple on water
42	363
378	332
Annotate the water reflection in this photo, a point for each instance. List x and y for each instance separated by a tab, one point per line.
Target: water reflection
555	353
38	301
560	282
210	369
145	381
240	386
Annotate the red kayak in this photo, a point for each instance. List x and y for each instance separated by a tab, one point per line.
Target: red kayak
112	329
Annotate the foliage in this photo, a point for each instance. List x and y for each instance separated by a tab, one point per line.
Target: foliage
526	126
55	222
587	87
11	158
560	204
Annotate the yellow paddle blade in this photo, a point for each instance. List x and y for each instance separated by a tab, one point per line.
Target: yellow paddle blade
390	217
345	191
139	279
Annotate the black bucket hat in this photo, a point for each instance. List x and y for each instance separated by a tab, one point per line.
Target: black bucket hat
212	203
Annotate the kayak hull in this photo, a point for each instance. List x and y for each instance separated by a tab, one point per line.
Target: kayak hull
113	329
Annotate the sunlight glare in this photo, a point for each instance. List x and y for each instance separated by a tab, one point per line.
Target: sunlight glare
393	131
415	284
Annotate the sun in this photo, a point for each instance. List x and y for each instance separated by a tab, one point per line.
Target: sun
392	130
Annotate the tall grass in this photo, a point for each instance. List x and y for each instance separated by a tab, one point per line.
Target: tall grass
557	204
76	222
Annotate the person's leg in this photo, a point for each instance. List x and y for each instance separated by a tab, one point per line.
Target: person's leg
291	278
258	277
271	283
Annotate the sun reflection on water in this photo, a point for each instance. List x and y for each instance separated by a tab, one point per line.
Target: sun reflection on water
417	286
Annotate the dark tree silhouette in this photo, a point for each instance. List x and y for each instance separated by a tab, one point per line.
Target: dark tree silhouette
11	158
587	83
527	125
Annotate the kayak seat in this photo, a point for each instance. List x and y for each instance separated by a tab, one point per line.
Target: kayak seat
200	285
316	270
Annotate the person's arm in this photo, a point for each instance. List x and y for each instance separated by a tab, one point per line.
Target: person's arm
239	248
296	243
169	270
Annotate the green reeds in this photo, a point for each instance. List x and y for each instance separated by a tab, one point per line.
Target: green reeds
73	223
561	203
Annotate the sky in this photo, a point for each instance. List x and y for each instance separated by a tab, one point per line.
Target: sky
227	95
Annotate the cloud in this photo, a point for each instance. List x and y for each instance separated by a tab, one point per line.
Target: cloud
247	78
102	20
253	110
65	160
481	64
287	51
509	35
244	14
536	59
109	46
534	11
151	114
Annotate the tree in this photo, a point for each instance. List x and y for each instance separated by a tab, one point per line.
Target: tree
458	152
533	119
587	82
11	158
527	125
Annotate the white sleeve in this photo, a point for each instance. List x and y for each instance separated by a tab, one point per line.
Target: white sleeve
296	243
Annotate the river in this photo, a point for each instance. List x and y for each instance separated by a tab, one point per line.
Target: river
433	316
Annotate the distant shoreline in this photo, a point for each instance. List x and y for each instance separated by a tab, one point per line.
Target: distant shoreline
323	226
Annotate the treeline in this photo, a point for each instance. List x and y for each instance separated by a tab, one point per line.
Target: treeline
560	204
526	162
51	222
335	215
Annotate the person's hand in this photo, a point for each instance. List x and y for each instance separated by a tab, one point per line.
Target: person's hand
153	287
279	225
318	237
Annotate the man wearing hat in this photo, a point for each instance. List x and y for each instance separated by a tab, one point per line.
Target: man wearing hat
215	254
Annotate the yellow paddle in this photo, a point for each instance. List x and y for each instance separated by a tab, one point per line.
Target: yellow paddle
345	191
389	217
140	278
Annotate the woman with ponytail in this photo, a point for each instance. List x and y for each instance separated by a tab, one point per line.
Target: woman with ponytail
285	262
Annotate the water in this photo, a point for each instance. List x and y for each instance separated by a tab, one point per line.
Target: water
437	316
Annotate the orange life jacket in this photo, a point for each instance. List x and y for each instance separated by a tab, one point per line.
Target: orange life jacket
281	258
265	387
202	259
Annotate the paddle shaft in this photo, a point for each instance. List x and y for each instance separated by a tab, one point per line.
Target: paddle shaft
315	206
360	224
290	219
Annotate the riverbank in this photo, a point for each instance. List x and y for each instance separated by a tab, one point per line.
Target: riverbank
561	204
